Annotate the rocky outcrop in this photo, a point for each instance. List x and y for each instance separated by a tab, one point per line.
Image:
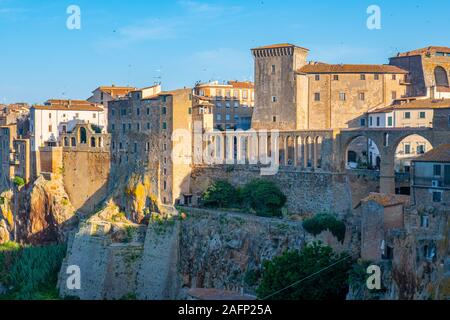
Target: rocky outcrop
7	223
44	213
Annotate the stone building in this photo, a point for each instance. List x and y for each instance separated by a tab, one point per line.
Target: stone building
431	178
104	94
14	155
292	94
55	117
429	71
142	126
231	104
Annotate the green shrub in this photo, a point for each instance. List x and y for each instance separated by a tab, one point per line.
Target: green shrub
221	194
312	265
31	272
264	197
325	221
19	182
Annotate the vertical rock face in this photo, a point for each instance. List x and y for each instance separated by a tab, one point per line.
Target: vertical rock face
44	212
7	223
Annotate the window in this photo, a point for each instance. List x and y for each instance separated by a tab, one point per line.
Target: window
135	147
49	115
147	146
113	112
336	77
378	121
245	94
317	77
274	99
129	126
148	126
113	127
123	112
236	104
138	127
124	127
138	111
148	111
390	122
189	110
363	122
394	95
227	117
407	149
422	115
317	96
437	170
376	77
394	77
236	94
274	119
371	121
449	121
362	96
424	221
164	110
437	196
165	146
50	128
273	69
164	125
421	149
407	115
342	96
362	77
165	185
236	118
219	105
228	105
219	117
228	94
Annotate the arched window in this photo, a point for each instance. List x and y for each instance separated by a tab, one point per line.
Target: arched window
66	141
441	77
73	141
93	142
83	135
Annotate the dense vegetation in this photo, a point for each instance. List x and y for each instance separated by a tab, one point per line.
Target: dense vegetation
325	221
324	274
30	273
261	196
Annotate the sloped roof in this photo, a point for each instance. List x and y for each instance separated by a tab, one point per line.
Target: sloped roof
416	104
424	51
387	200
279	45
439	154
66	107
350	68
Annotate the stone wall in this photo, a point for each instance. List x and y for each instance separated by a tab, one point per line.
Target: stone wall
307	192
86	175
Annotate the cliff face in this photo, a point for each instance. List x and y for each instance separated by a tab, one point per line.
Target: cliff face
39	213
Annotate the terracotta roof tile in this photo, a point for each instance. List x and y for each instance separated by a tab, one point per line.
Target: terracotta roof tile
279	45
439	154
66	107
387	200
424	51
350	68
416	104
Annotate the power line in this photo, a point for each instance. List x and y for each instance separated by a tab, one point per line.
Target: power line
306	278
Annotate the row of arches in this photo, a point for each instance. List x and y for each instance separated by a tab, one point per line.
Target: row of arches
81	137
285	150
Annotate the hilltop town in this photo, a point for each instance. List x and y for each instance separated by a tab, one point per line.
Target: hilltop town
124	177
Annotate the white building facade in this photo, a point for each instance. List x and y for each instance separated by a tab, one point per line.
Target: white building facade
49	121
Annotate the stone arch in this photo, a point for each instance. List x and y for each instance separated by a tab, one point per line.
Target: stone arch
361	151
82	135
282	150
290	150
66	141
408	147
93	142
73	142
318	141
441	77
299	155
100	142
309	152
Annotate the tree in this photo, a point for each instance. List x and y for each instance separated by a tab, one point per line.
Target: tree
264	197
325	274
221	194
325	221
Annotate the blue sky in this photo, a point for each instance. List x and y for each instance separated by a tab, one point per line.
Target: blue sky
179	42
